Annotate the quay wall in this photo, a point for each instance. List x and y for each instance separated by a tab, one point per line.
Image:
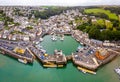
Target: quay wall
37	56
85	65
94	67
110	58
69	57
10	53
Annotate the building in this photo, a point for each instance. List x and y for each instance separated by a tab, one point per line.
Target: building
96	42
85	19
101	54
10	36
94	21
108	44
13	37
26	38
1	25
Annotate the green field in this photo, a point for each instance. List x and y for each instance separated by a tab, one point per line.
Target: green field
98	10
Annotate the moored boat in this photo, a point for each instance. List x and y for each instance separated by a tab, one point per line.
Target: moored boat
117	70
22	61
62	37
60	65
86	70
54	38
50	66
41	39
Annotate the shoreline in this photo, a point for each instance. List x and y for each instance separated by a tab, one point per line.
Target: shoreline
21	43
54	63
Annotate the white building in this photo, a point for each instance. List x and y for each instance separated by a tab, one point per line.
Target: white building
26	38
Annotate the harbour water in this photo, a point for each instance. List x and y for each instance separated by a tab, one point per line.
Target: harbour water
68	46
13	71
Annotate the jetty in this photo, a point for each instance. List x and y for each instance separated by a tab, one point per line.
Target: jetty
56	60
28	58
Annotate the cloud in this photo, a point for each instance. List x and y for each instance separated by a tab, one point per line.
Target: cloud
59	2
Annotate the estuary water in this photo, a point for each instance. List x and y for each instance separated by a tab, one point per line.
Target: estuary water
13	71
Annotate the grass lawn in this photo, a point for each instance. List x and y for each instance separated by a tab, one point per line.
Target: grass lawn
98	10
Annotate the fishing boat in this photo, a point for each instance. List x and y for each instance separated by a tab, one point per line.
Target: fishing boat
86	70
22	61
51	66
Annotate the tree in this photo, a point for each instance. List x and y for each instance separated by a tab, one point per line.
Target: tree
5	23
51	11
94	32
116	35
17	24
82	27
107	35
1	11
87	29
108	24
115	23
101	23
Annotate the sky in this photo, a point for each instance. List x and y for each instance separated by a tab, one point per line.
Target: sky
59	2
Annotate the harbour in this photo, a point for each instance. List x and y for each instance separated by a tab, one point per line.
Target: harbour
66	53
69	73
52	71
93	54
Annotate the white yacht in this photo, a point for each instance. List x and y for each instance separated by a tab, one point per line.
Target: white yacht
22	61
117	70
54	38
62	37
